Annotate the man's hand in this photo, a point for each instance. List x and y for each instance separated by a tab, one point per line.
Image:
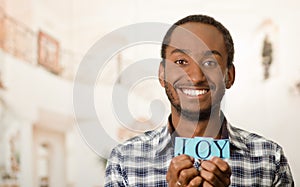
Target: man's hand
215	172
181	172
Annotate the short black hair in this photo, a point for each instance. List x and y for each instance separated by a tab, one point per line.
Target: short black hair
206	20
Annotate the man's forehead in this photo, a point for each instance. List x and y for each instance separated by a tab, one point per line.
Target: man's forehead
188	47
196	38
182	37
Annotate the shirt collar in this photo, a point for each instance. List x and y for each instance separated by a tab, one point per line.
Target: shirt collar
164	141
224	131
236	138
168	134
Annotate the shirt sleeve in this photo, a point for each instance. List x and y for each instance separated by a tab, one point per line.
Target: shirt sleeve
115	175
283	175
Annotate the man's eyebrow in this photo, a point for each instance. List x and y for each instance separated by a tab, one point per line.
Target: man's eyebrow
189	52
212	52
184	51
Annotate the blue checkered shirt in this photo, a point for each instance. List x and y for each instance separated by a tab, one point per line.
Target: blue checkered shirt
144	160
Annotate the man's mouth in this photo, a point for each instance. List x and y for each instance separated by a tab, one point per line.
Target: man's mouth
194	92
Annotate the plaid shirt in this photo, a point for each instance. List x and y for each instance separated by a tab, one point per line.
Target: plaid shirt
144	160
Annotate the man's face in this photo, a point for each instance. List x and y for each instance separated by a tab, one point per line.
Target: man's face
196	70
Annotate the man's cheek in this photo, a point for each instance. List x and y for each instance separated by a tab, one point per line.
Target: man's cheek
173	76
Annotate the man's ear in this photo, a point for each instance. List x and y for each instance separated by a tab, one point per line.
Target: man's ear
230	76
161	74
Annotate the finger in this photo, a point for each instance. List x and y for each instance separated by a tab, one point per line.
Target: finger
212	167
195	182
182	161
183	157
177	164
186	175
211	178
207	184
222	165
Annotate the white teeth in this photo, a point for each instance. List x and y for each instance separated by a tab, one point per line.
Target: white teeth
194	92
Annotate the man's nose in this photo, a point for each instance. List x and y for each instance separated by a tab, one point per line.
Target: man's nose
195	73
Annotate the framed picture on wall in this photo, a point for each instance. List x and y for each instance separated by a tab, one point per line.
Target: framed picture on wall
48	52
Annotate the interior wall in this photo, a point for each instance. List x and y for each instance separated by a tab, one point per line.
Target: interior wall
268	107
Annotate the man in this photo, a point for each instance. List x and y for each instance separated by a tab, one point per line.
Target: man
196	69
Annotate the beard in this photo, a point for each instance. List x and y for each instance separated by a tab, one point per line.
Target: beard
193	115
199	115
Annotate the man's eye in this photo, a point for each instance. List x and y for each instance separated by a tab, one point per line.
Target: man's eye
181	62
209	64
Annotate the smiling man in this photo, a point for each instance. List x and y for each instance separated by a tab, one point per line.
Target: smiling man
196	69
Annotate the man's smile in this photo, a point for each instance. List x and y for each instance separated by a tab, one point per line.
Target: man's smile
194	92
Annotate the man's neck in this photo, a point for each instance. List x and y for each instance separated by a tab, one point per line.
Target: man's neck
202	128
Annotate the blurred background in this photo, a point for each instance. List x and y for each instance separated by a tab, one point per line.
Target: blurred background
43	42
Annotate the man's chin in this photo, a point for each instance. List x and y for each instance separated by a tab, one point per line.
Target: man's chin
196	115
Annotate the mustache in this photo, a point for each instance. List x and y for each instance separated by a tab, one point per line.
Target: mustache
180	84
